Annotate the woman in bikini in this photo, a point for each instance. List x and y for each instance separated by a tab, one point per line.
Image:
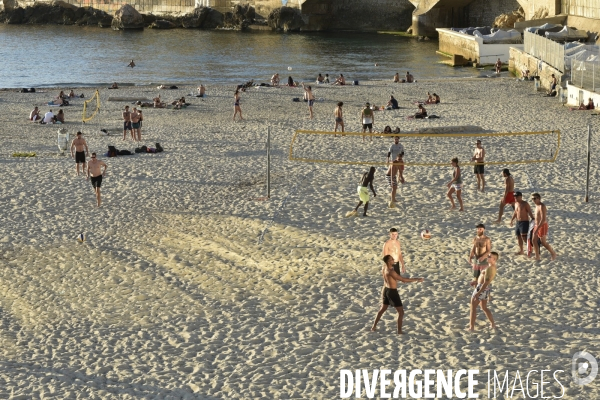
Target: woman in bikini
455	185
236	105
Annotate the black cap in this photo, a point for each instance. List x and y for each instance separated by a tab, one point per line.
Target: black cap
517	194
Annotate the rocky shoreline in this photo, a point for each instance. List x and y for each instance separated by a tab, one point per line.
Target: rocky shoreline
127	17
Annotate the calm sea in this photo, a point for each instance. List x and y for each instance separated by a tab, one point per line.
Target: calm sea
50	55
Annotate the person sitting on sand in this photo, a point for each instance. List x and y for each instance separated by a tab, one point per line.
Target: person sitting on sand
61	95
421	113
525	74
392	104
60	117
320	79
48	118
397	78
436	98
590	105
430	99
201	91
397	130
581	107
387	129
409	78
326	78
158	103
290	82
180	102
340	80
114	85
275	79
35	115
131	64
71	93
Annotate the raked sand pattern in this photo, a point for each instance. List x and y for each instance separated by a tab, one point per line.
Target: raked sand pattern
172	296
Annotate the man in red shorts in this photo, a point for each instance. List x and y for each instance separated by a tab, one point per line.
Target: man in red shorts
540	229
508	197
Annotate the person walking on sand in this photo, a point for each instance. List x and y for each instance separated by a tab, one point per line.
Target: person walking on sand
392	177
522	214
478	257
482	293
368	119
390	294
96	169
540	227
136	132
236	105
508	197
455	185
79	145
393	248
479	158
339	117
311	99
363	192
127	123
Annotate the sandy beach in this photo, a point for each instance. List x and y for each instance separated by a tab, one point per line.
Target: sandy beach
172	295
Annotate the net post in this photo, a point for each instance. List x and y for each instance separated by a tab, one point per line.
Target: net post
268	162
587	174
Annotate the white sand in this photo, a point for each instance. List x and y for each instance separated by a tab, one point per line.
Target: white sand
172	297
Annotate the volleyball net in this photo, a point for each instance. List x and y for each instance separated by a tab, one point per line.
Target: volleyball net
87	105
422	149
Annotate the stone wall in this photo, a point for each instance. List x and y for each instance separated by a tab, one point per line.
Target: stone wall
519	59
358	14
451	43
483	12
581	8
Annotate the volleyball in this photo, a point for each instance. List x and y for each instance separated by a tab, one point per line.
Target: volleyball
81	237
425	234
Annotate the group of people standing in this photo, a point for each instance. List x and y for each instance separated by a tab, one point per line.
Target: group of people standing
94	169
132	121
483	261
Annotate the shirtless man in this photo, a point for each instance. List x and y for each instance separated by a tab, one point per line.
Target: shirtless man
540	230
96	172
127	122
201	91
79	145
392	247
363	192
481	294
390	294
522	214
479	157
482	246
396	78
131	64
409	77
275	79
339	116
508	197
136	128
311	99
340	80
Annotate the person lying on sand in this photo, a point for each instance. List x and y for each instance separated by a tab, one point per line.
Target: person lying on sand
390	294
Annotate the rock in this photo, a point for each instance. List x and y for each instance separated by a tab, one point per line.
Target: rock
213	20
409	30
149	19
195	19
286	19
8	5
507	21
162	24
241	17
127	17
540	13
16	16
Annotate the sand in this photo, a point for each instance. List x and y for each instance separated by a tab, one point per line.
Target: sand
172	296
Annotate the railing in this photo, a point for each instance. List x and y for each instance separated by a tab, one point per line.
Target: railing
549	51
586	74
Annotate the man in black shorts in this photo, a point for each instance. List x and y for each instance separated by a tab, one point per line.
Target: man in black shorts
79	145
96	170
390	294
522	214
127	122
479	158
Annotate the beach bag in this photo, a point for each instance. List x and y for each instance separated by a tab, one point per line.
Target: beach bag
355	83
296	99
112	151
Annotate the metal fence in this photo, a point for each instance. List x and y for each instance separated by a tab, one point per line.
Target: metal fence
586	74
549	51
